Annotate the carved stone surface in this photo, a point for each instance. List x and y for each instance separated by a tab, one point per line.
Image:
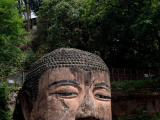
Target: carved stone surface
130	102
67	84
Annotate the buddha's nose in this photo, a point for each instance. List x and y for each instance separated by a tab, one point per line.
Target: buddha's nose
86	108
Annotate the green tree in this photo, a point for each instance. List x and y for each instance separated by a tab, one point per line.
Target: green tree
11	36
112	29
119	33
147	33
109	25
58	26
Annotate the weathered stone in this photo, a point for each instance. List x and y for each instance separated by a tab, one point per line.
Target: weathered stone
12	101
67	84
127	103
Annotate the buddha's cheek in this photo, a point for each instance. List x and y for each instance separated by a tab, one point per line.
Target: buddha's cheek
104	110
41	106
60	109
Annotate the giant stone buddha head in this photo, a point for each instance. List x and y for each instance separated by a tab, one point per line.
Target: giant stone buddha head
67	84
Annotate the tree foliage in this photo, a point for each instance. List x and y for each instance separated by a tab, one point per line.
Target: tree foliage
11	36
124	33
60	28
4	109
120	24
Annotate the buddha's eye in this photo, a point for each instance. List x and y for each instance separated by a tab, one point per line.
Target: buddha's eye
102	96
65	91
66	94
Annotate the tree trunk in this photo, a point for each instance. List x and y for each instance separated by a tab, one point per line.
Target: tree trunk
28	12
159	55
158	38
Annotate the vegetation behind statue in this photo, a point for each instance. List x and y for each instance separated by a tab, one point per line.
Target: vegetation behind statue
123	33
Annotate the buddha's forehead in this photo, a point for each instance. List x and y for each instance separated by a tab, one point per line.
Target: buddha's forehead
76	74
61	58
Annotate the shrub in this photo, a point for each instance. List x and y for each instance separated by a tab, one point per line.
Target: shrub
4	109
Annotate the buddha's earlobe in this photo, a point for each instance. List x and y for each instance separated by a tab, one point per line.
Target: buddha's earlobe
26	106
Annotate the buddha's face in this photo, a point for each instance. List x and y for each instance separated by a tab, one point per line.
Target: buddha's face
73	94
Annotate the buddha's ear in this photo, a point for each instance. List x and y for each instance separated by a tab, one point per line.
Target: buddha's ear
26	106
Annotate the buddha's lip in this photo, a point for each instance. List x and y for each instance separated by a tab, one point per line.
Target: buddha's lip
88	118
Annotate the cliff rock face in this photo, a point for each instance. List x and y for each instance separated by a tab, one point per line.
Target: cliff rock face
12	96
127	103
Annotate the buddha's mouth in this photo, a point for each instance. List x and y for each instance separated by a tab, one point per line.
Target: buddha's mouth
88	118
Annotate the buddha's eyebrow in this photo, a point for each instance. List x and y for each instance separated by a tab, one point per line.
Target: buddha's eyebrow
102	84
64	81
